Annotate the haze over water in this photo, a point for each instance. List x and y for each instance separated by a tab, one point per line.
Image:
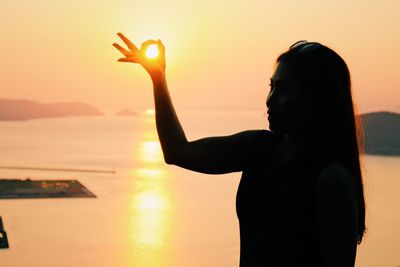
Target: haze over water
148	213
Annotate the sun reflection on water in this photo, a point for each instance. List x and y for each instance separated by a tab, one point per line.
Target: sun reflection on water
149	227
150	221
150	151
149	173
149	115
149	218
150	201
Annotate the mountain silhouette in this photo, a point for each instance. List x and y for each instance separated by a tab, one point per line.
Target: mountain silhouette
20	109
381	132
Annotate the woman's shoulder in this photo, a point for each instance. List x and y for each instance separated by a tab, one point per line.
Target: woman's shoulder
257	138
266	136
262	146
264	141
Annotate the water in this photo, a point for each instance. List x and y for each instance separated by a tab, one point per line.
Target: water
148	213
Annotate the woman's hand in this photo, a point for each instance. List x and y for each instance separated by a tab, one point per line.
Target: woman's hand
154	66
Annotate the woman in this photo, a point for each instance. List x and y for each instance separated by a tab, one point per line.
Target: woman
300	200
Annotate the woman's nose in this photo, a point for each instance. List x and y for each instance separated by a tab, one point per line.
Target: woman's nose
270	97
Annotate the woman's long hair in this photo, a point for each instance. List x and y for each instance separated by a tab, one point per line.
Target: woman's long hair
326	87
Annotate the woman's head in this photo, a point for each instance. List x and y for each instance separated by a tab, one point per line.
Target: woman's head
310	99
311	83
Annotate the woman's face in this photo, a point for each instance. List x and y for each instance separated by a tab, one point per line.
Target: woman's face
286	109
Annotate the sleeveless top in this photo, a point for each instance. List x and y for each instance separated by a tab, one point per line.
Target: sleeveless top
276	208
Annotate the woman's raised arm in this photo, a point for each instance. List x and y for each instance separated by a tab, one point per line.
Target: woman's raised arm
213	155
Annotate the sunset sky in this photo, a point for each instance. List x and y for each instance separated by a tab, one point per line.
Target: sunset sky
220	54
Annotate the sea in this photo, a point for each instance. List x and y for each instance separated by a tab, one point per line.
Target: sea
148	213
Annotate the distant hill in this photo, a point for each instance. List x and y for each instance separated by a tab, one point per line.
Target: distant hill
382	133
19	109
126	112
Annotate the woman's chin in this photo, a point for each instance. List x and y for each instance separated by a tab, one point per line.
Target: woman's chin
273	127
271	124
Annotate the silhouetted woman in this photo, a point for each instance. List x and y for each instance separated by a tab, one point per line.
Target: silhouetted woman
300	200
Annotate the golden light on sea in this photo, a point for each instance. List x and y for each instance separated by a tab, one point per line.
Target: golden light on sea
150	151
149	173
150	112
149	226
148	219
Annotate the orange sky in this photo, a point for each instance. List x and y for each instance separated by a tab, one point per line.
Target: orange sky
219	53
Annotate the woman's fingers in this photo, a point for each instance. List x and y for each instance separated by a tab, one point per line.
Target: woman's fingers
130	59
122	50
147	43
128	43
161	45
134	55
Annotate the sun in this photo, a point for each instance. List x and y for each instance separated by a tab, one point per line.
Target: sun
152	51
